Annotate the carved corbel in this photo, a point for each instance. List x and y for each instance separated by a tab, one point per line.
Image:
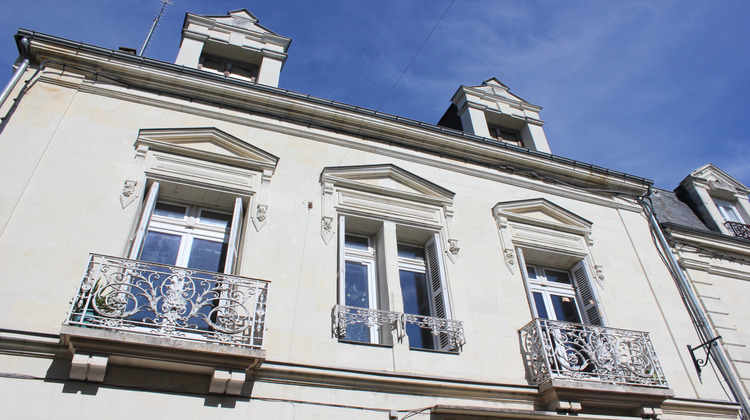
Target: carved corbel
510	258
260	215
327	228
509	253
599	272
129	191
453	250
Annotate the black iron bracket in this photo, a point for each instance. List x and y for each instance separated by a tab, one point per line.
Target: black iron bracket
701	363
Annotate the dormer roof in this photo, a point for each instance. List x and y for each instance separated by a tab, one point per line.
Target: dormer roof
716	180
239	18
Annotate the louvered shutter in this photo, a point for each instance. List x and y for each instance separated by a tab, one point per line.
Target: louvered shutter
147	210
233	247
436	277
527	286
586	294
341	262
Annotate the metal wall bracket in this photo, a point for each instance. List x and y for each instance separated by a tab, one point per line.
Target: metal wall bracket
701	363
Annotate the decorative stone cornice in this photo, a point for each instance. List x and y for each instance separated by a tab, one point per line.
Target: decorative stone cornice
244	96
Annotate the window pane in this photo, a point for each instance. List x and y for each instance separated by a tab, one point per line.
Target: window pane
214	218
541	307
169	210
557	276
565	308
412	252
160	248
415	293
416	301
207	255
531	272
357	242
357	294
356	290
728	211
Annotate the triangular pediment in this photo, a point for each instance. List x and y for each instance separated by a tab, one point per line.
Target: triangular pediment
541	212
495	87
209	144
717	180
386	180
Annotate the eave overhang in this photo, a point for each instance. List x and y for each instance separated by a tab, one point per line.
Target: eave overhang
708	239
101	65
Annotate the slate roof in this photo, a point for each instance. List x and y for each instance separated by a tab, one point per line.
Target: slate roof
669	209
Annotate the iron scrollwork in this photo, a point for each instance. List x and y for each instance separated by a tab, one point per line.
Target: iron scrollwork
173	302
565	350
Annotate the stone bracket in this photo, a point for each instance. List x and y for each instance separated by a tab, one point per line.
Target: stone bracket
227	382
129	191
648	412
87	367
260	215
327	230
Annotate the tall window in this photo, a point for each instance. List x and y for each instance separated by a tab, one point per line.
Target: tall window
562	295
187	235
360	287
181	234
420	283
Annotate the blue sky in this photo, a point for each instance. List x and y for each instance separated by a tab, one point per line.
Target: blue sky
652	88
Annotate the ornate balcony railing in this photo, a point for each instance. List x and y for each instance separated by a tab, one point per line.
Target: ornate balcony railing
354	323
449	332
565	350
173	302
740	230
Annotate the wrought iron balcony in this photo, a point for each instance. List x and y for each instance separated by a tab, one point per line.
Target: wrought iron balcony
359	324
449	332
354	323
172	302
740	230
565	350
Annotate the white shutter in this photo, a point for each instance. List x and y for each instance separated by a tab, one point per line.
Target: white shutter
436	278
341	262
233	247
148	208
527	286
586	294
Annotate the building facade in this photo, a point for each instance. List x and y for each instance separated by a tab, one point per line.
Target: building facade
188	240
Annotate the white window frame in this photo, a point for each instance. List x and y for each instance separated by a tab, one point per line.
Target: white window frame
366	258
407	209
728	211
540	284
580	289
189	229
432	266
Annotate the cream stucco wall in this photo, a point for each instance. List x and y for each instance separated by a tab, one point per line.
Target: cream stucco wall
67	150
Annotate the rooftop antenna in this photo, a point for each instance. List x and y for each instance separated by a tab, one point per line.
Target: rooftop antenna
164	4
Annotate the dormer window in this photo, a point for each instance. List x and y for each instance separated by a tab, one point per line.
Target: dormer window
728	211
235	45
506	135
228	68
